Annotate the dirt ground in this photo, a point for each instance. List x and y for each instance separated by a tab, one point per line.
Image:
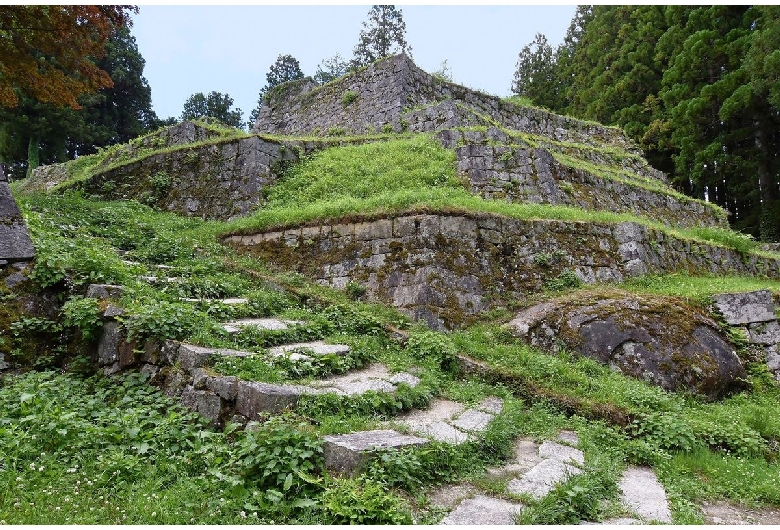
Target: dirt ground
731	514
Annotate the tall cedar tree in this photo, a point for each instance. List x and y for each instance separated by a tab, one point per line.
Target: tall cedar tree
48	52
285	68
697	87
383	34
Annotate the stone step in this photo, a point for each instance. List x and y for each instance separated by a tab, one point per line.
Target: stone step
269	324
451	422
305	350
482	510
643	494
349	453
558	463
225	301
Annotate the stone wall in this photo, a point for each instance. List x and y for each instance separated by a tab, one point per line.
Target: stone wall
389	89
444	268
15	242
499	167
755	314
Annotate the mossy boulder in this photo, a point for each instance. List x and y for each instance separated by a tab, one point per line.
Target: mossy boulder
658	339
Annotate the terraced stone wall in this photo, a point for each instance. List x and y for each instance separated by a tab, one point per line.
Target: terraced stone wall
444	268
500	167
384	94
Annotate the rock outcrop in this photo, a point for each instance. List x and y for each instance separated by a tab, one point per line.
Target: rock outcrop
15	242
657	339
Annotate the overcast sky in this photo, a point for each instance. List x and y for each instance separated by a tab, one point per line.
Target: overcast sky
229	49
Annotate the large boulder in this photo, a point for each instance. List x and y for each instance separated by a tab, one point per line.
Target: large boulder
15	242
658	339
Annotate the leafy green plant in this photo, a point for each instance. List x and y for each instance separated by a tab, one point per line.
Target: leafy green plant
567	279
427	344
363	502
355	291
162	320
282	456
84	314
348	97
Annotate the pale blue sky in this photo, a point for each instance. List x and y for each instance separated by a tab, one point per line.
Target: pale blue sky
229	49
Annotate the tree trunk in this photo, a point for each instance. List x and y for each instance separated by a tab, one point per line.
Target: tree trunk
33	154
769	227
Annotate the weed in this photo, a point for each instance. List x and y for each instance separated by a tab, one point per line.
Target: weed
348	97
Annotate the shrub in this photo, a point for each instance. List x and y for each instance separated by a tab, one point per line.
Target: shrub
348	97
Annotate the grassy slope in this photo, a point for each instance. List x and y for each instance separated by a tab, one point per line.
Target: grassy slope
698	448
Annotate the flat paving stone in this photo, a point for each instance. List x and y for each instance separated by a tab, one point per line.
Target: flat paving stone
491	405
568	437
450	495
270	324
482	510
644	495
303	350
226	301
473	420
438	410
564	453
348	453
526	457
442	431
542	478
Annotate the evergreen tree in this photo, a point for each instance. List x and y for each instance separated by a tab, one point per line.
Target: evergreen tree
383	34
285	68
216	105
330	69
535	73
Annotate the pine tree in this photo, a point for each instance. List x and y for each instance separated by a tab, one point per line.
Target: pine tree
285	68
383	34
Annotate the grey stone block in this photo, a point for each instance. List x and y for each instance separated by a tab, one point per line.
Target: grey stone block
253	398
348	453
443	432
564	453
644	495
103	291
473	420
746	308
204	403
270	324
192	357
225	387
542	478
766	333
108	345
481	510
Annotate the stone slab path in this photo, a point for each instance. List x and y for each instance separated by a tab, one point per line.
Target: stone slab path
451	422
643	494
538	469
269	324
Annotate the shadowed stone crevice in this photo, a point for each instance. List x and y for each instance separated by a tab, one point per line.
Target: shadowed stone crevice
15	242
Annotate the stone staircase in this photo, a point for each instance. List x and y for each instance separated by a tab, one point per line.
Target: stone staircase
536	471
182	370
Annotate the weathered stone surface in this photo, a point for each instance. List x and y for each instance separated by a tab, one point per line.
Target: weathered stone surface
526	456
3	365
644	495
15	242
204	403
108	345
192	356
12	280
348	453
746	308
481	510
657	339
301	350
104	291
444	280
564	453
443	432
766	333
253	398
473	420
542	478
270	324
